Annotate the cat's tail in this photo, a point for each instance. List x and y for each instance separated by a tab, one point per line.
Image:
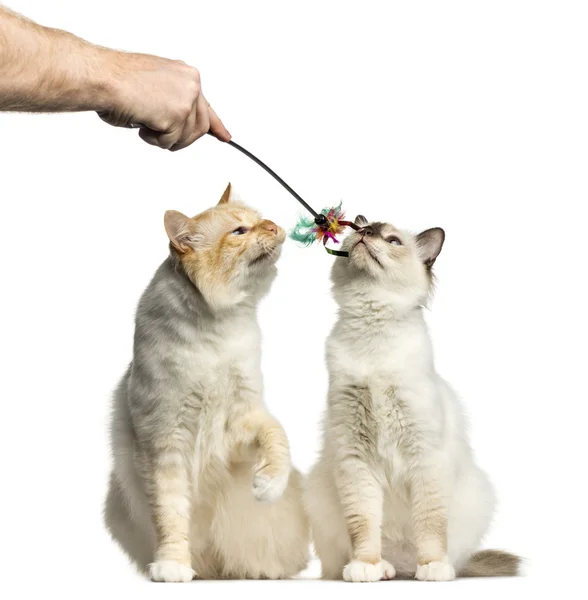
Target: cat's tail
492	563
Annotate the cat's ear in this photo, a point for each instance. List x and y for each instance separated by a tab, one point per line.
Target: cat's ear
361	221
179	229
226	197
429	244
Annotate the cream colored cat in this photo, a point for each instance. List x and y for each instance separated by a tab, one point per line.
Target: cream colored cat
396	489
202	483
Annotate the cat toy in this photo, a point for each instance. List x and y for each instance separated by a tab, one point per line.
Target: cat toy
323	226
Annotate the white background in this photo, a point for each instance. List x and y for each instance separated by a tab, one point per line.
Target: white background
472	116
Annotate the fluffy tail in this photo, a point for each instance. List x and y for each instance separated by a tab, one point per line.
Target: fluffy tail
492	563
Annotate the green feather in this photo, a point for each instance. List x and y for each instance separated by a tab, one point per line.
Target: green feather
303	231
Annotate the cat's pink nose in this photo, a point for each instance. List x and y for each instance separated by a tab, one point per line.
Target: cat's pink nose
270	226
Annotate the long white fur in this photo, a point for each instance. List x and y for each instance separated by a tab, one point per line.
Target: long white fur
396	488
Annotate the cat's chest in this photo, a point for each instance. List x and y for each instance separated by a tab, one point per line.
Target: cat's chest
222	401
222	381
213	363
396	436
392	351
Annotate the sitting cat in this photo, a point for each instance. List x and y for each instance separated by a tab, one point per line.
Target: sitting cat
202	483
396	489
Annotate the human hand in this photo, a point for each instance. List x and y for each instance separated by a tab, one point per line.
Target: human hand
161	96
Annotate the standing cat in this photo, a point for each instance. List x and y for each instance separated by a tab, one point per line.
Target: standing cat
202	483
396	489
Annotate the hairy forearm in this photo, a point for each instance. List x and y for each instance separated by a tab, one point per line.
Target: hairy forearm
45	70
49	70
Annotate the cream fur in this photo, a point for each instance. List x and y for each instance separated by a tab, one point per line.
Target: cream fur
202	483
396	481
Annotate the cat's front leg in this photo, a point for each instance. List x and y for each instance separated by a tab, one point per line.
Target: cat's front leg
272	468
361	498
353	436
168	489
429	522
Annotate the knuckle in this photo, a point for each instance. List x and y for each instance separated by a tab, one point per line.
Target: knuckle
193	89
183	111
178	115
195	73
164	124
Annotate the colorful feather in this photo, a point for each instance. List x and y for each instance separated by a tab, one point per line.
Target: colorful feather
306	231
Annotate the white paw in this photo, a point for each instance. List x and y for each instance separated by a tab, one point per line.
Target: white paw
435	571
389	570
170	571
358	570
269	489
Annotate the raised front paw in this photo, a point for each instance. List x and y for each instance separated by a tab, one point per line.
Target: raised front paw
267	488
170	571
359	571
435	571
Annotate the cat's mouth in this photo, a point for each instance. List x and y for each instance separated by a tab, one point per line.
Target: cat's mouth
267	254
369	251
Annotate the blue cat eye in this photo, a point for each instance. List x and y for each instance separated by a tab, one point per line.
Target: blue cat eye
240	231
394	240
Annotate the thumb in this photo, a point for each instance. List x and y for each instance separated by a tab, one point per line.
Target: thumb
216	126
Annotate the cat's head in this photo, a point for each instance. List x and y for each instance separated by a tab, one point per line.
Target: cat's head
387	264
229	252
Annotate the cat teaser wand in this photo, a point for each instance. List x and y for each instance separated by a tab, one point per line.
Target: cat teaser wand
323	226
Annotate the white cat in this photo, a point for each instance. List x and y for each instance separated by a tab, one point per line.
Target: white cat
396	490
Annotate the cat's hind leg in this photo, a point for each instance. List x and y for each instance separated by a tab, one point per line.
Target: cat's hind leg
329	530
133	540
469	516
257	539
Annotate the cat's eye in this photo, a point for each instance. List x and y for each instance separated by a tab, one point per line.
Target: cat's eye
239	231
394	241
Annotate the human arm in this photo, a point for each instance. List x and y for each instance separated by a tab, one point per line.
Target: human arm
49	70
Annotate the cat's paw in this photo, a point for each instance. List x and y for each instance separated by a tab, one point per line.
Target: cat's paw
358	570
170	571
269	489
435	571
389	570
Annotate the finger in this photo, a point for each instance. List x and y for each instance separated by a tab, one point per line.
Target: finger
162	139
216	126
168	138
201	126
149	136
202	119
158	138
187	133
